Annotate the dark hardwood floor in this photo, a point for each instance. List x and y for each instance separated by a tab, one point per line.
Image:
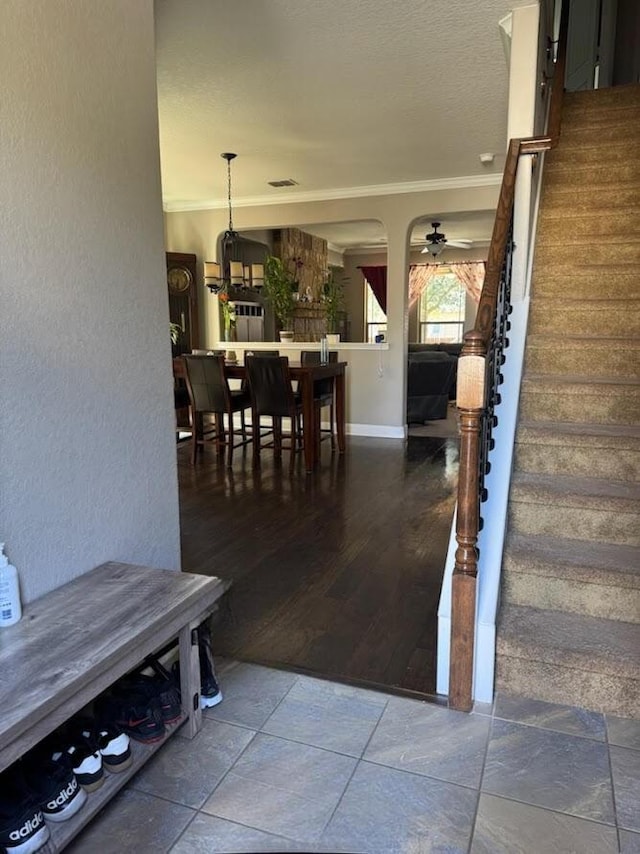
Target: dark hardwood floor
336	573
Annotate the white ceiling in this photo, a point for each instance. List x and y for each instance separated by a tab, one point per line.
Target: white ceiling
344	96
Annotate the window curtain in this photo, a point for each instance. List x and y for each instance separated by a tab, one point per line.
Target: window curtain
377	279
419	277
470	273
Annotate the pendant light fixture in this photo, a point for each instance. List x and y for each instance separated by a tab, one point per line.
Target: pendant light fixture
230	272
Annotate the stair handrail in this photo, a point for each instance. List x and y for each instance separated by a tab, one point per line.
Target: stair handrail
479	375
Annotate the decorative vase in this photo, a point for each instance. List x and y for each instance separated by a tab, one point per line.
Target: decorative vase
286	335
333	338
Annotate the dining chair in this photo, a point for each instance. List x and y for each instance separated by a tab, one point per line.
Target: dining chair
209	393
272	395
323	393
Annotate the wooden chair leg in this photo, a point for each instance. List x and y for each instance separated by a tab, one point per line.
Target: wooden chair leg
277	437
243	426
230	441
332	421
255	436
220	434
196	434
318	432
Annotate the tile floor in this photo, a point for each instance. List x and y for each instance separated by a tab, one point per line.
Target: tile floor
289	763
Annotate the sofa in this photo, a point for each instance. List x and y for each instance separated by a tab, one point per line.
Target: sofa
430	384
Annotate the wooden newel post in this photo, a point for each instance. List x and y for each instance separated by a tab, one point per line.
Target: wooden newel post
471	406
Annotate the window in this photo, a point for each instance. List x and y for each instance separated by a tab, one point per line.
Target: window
442	308
375	318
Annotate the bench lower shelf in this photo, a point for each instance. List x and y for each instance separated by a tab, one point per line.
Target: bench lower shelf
65	831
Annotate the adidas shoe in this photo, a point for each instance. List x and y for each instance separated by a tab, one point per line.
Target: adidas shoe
55	786
22	826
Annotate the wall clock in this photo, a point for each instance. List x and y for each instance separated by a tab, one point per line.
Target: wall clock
179	279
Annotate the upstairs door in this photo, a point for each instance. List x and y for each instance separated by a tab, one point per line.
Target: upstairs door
590	44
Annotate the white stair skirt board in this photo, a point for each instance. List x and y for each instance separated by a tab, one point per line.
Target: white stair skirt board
491	538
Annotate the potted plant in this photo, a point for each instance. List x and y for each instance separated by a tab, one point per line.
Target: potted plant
333	299
228	315
278	289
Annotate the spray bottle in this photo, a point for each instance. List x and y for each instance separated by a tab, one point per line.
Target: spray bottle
10	608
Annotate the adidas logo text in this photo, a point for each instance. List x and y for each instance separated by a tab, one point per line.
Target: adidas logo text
61	799
30	826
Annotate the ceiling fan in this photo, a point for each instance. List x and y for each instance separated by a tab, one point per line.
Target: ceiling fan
436	242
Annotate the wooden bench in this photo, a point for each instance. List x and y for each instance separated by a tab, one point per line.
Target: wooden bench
76	641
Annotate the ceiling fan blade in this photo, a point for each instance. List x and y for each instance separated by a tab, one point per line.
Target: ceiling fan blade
460	244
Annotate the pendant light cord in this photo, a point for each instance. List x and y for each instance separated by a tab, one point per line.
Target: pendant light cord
229	193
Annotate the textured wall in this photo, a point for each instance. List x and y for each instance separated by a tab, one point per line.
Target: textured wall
87	449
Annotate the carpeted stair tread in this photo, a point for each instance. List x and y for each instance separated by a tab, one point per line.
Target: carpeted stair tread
555	449
583	492
612	96
616	152
600	435
581	383
575	641
588	281
593	137
549	354
580	227
605	254
595	175
610	318
581	560
559	200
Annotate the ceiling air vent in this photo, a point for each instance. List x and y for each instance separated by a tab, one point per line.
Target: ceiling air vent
285	182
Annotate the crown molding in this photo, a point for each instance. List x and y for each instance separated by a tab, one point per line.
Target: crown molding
299	197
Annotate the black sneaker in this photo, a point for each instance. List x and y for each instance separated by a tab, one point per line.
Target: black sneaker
156	687
114	746
54	785
22	826
210	693
137	716
82	753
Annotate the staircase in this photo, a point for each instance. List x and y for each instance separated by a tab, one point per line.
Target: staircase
569	629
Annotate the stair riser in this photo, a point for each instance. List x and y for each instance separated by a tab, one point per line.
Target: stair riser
606	255
581	174
580	227
590	137
575	285
607	463
586	116
558	201
613	153
627	95
556	318
593	361
620	406
607	693
563	594
553	318
575	523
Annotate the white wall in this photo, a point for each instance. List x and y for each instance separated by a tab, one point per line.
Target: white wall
88	469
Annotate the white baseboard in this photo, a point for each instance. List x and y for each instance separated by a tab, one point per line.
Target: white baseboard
378	431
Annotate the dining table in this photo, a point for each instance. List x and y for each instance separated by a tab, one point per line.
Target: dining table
307	376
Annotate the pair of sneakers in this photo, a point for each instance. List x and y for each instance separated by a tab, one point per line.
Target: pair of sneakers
34	791
90	747
142	705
